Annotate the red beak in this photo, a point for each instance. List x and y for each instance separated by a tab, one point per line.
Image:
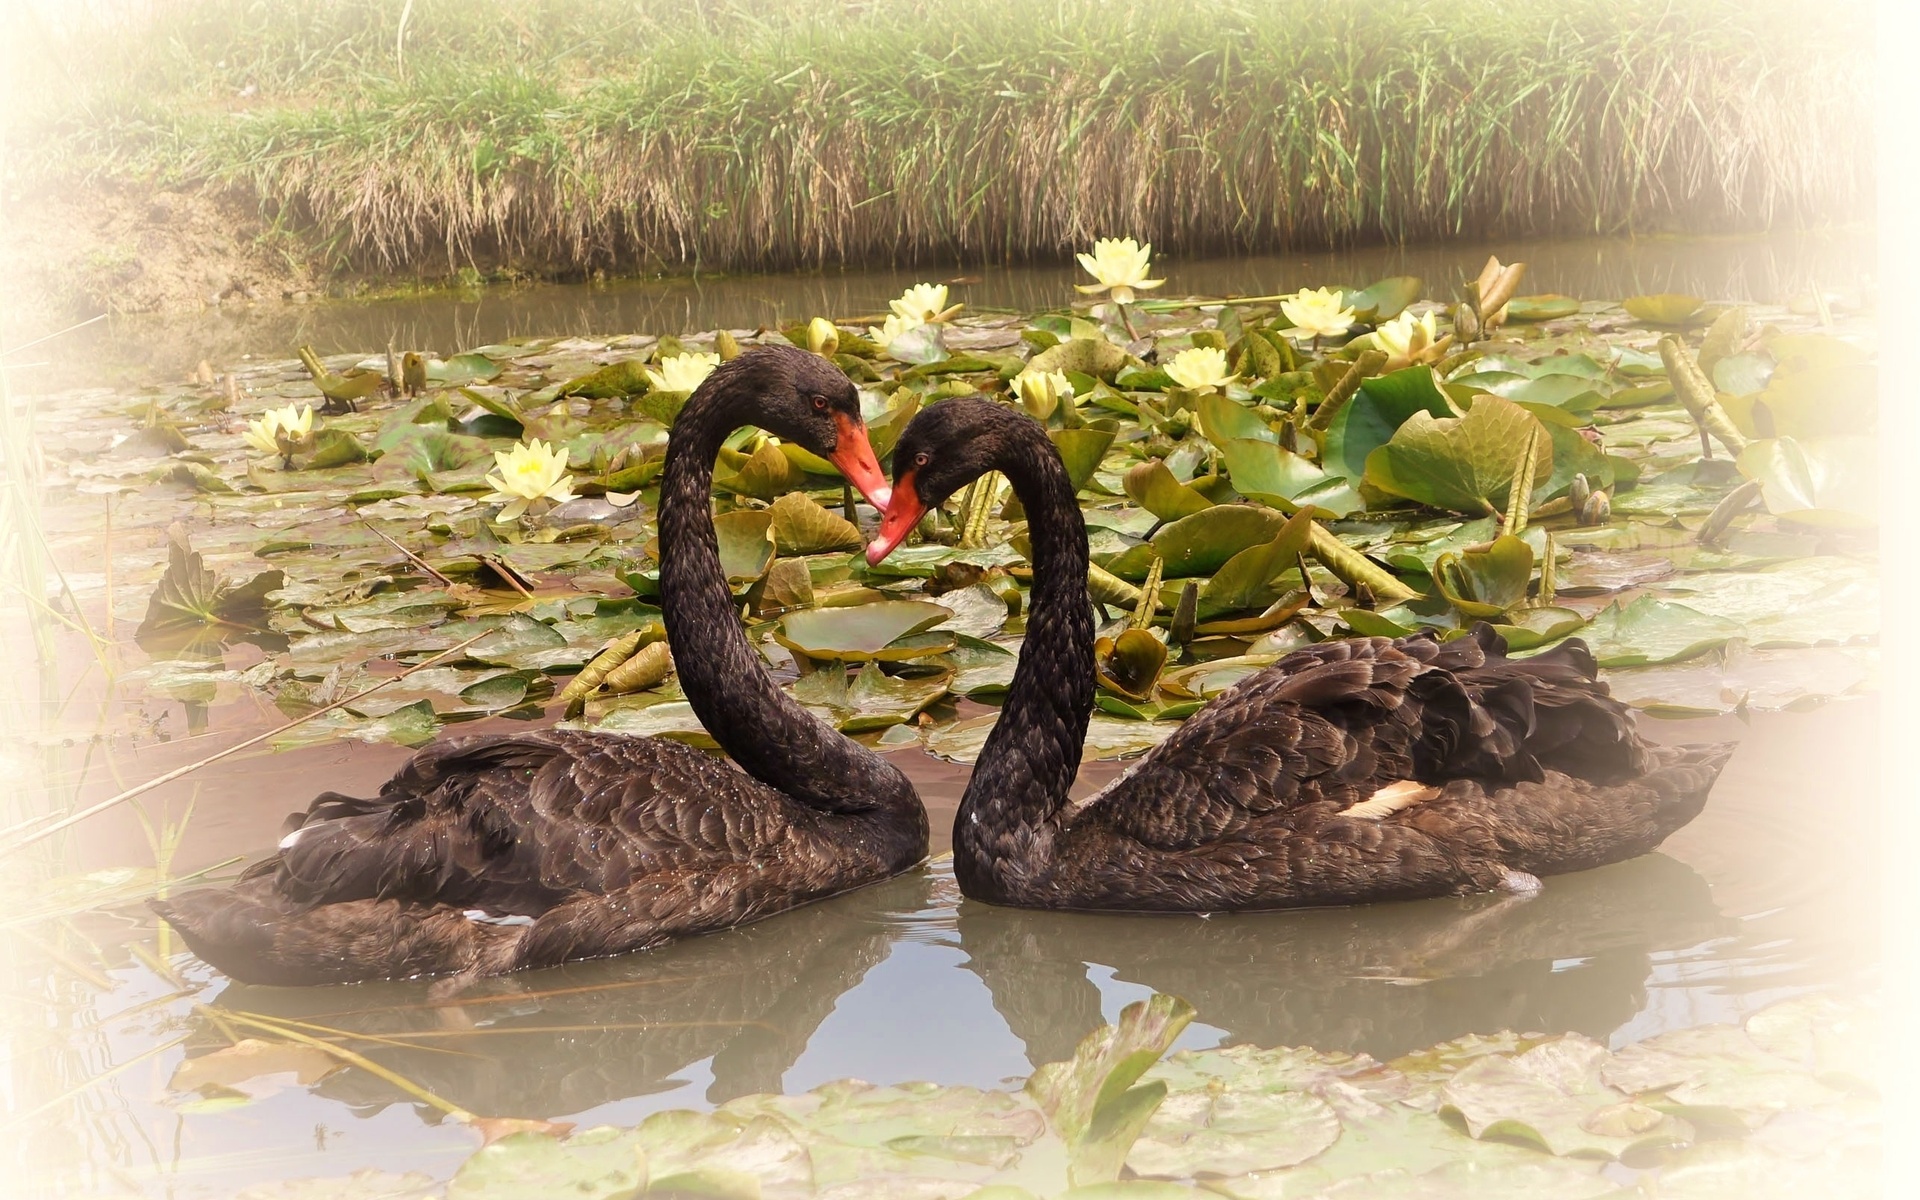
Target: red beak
853	455
902	514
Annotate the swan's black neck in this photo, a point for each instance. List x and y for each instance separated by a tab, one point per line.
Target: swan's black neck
764	730
1029	762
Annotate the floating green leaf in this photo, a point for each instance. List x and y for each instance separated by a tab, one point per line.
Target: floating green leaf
865	632
1649	630
1664	308
598	1164
801	526
1461	463
1382	405
1828	482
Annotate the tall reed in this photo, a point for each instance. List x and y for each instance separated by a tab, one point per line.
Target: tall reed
580	134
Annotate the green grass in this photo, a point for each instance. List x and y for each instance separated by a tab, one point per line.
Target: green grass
581	134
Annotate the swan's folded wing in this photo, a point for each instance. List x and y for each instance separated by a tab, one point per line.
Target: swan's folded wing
1321	726
512	824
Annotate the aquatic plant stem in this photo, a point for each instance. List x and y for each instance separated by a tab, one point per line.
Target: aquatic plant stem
1369	363
141	789
453	1111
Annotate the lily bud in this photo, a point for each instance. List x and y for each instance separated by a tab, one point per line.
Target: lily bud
823	337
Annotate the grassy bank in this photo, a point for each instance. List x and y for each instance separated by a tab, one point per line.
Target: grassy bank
571	135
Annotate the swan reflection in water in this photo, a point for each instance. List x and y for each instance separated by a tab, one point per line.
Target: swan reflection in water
1382	979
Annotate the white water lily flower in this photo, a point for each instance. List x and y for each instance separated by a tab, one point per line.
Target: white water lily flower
1042	391
530	471
1199	367
1318	312
895	326
1121	265
924	304
262	435
1407	341
682	372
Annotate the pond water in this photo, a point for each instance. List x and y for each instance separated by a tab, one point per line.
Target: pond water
1762	897
1766	895
1770	269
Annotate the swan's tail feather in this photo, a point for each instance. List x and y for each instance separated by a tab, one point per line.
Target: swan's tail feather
255	935
1682	777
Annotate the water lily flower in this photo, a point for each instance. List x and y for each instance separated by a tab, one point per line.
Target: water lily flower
263	435
925	304
823	337
1407	341
682	372
1042	391
1200	367
1317	312
895	326
1121	265
532	472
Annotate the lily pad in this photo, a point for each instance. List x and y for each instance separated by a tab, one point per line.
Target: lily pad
1130	665
1381	406
1466	464
1095	1101
1094	356
1553	1095
1202	543
1384	299
1153	487
1545	307
1264	471
1248	580
1486	583
864	632
1827	482
1665	308
746	543
598	1164
1649	630
1224	420
801	526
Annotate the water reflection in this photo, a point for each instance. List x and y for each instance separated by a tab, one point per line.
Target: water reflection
1768	269
744	1006
1385	979
746	1003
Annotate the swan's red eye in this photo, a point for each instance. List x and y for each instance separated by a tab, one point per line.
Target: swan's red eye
820	402
921	460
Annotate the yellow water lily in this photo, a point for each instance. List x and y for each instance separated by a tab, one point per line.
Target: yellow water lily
263	435
894	326
1042	392
1407	341
925	304
1200	367
529	472
682	372
823	337
1121	266
1318	312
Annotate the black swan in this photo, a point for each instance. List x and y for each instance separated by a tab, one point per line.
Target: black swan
1347	772
485	855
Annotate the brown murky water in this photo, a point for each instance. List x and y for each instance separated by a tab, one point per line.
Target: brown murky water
1765	895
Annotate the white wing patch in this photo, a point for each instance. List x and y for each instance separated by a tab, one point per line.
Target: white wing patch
1391	799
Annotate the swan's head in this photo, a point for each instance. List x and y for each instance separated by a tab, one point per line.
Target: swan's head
947	446
802	398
